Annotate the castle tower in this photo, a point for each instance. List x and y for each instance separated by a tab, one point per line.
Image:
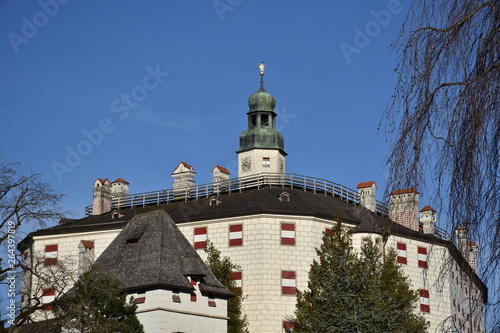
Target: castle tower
183	180
428	219
404	207
367	198
102	196
261	145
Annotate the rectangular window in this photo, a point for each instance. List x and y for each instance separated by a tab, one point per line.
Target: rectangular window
266	162
237	278
287	234
401	253
200	237
422	257
211	302
424	301
287	324
288	283
194	283
50	256
329	232
236	235
140	300
48	296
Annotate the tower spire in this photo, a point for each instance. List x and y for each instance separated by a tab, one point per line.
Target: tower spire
262	67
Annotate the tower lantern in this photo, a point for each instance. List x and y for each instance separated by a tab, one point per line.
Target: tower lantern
262	147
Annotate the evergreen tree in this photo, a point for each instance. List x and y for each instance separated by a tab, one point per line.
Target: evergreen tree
355	291
96	304
222	269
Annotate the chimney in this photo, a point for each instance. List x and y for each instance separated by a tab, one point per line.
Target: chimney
403	207
461	233
472	255
366	191
119	188
428	219
220	178
102	197
119	191
183	180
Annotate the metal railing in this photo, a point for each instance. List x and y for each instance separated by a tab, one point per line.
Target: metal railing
238	185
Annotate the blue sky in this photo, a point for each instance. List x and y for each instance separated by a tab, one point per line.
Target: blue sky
188	68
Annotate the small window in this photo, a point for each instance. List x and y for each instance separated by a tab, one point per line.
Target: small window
288	283
287	234
424	301
48	296
266	162
200	237
237	278
366	241
50	255
236	235
422	257
264	120
214	201
401	253
194	283
211	302
285	197
253	121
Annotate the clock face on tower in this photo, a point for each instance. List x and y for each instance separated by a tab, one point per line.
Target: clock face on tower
246	164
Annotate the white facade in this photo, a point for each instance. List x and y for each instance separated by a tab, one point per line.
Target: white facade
269	246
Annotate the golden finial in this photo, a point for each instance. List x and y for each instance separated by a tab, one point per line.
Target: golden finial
261	66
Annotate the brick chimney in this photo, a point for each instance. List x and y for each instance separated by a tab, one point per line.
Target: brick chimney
404	207
428	219
366	191
102	197
183	180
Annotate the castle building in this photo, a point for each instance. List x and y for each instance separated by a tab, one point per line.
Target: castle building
269	222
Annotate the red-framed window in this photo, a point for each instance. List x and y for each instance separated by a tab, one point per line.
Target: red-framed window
287	324
50	255
422	257
200	237
424	301
194	283
401	247
236	235
237	277
287	234
288	283
48	296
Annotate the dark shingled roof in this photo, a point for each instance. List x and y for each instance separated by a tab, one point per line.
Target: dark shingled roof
151	252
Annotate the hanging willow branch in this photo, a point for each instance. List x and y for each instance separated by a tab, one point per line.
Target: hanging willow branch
444	117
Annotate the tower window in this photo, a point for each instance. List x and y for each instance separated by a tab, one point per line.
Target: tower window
264	120
266	162
253	121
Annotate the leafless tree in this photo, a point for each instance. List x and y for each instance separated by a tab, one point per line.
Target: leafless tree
24	199
444	117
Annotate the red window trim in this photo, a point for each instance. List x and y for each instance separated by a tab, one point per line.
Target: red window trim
200	231
288	227
236	241
401	259
289	275
237	276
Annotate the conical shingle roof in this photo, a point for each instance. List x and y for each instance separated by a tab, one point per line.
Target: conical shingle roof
151	252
